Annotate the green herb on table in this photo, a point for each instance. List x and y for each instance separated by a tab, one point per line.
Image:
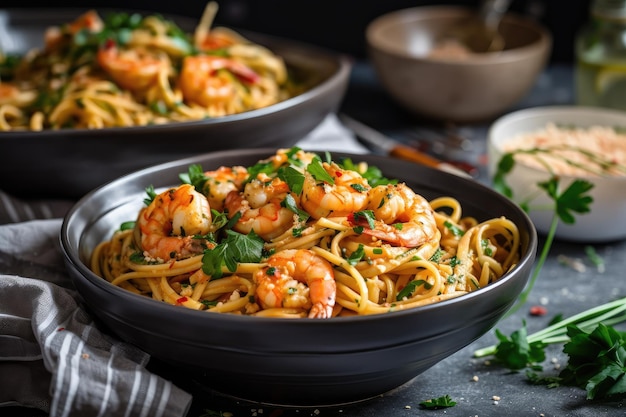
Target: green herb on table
574	199
596	351
517	352
595	258
437	403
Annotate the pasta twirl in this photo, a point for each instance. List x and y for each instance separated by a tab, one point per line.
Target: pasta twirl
296	236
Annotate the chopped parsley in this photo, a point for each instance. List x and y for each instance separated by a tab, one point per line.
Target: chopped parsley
437	403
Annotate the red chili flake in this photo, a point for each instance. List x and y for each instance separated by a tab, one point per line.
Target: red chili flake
60	329
109	43
181	300
538	311
338	173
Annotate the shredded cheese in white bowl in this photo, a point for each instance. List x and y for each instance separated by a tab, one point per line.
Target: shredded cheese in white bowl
568	142
572	150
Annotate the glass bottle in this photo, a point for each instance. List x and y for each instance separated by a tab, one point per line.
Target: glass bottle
600	49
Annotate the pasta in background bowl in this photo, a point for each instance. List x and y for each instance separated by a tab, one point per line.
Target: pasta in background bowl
293	361
110	123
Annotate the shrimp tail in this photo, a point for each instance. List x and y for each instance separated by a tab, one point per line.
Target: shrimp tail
324	309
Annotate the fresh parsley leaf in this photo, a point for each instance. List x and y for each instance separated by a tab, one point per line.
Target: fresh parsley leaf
316	169
194	176
264	167
364	217
218	219
410	288
372	174
595	258
151	195
597	361
516	352
290	203
293	178
359	188
444	401
456	231
235	248
505	166
129	225
536	379
573	199
436	257
357	255
246	247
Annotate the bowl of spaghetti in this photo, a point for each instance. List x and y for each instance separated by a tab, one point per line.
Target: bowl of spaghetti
542	152
288	277
88	96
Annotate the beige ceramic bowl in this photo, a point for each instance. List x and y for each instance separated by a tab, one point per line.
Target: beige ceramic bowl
473	88
606	220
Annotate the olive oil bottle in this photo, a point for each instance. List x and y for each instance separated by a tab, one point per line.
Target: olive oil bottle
601	56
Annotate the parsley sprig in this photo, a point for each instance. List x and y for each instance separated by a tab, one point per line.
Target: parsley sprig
596	351
235	248
574	199
444	401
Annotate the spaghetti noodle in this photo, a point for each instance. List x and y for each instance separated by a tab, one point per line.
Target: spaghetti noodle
298	236
129	70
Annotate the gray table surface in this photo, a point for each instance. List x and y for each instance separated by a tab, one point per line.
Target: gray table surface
479	388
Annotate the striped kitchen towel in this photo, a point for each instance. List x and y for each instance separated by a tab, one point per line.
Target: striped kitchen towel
53	356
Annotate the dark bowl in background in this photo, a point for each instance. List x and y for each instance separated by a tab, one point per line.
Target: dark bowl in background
69	163
282	361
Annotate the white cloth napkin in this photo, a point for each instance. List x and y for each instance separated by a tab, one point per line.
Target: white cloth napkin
52	355
331	135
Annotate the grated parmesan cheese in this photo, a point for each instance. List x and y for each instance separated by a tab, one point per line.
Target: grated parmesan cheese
603	142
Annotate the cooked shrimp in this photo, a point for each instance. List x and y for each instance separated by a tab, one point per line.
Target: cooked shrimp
346	194
403	218
260	207
281	283
202	82
135	69
222	181
11	94
166	229
218	38
89	20
286	156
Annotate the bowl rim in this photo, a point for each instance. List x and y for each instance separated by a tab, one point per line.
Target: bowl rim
401	16
336	78
73	256
551	114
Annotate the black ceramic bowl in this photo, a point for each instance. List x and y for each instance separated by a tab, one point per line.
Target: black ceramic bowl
71	162
283	361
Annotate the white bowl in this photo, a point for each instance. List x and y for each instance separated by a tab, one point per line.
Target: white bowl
606	220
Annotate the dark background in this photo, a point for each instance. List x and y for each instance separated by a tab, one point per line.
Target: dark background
335	24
